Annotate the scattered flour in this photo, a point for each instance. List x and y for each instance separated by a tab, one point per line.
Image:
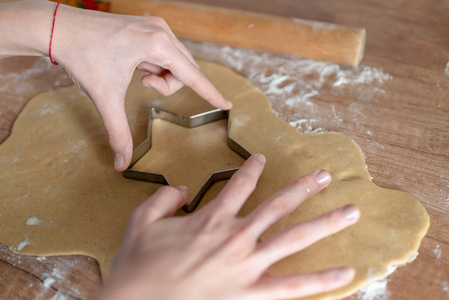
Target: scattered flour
33	221
58	274
59	296
17	82
413	257
336	116
51	109
79	146
23	244
445	286
437	252
391	269
23	197
446	70
376	290
292	84
362	75
306	125
48	282
241	120
24	81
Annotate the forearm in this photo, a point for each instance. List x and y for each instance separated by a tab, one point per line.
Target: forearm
25	27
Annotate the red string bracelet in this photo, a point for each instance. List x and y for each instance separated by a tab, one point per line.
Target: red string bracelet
51	37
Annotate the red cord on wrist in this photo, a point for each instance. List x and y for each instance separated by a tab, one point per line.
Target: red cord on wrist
51	37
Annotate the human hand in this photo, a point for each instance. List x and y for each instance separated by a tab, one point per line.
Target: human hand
100	52
215	254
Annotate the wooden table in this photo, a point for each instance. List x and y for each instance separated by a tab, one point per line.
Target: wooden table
396	107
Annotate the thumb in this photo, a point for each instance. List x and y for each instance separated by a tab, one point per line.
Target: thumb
112	113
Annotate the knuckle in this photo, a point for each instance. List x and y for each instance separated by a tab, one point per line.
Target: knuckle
195	80
136	214
245	179
144	213
308	183
333	218
279	203
165	92
118	136
295	285
161	36
324	284
297	233
158	21
151	214
168	190
239	237
213	220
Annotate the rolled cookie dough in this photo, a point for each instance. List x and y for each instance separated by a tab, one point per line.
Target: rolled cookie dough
59	194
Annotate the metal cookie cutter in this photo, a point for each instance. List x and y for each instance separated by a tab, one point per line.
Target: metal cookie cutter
189	122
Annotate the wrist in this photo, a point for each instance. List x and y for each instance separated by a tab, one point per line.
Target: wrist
122	287
25	27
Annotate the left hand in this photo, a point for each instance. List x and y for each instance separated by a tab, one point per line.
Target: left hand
100	52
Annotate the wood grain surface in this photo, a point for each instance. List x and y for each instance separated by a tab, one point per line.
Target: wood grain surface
401	124
264	32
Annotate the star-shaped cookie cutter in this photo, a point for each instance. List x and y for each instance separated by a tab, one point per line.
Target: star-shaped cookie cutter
188	122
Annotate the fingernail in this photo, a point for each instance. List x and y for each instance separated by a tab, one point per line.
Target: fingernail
229	103
119	160
351	213
183	190
261	158
323	177
345	273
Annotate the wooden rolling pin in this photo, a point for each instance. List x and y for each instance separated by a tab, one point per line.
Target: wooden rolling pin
236	28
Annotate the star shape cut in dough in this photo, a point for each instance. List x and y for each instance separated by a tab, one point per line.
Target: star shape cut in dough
161	159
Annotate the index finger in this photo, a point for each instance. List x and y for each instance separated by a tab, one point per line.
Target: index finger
183	69
240	186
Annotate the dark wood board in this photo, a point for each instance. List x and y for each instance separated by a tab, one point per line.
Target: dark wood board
403	131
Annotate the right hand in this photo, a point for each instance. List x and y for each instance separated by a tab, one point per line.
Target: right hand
215	254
